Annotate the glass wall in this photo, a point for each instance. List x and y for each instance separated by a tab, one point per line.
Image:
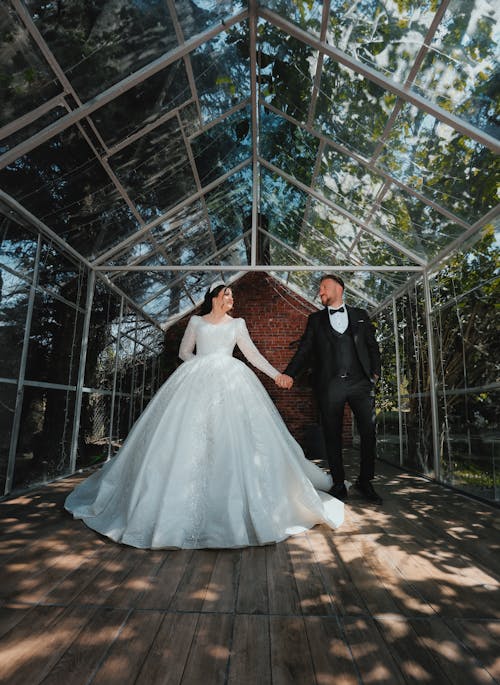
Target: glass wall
43	321
465	335
465	298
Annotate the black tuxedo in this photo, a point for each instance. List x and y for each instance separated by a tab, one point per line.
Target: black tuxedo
344	366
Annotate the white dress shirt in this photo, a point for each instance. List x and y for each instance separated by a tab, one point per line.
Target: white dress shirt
339	321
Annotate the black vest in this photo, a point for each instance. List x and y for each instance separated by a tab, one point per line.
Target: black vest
346	358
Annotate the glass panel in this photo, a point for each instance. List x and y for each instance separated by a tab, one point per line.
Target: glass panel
143	105
471	441
62	183
459	72
44	445
465	295
347	183
465	298
221	69
414	224
55	338
31	129
156	170
8	395
13	309
351	110
223	146
283	205
230	207
199	15
415	382
98	44
442	164
141	286
18	247
26	80
385	35
386	399
101	350
169	303
62	275
286	71
288	147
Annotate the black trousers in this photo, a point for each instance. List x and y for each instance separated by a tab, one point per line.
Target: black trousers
359	395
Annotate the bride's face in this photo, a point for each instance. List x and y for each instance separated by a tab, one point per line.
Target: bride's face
225	299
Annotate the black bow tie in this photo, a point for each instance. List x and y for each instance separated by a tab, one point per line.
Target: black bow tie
335	311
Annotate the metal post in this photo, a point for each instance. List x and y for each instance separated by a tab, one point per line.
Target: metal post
255	128
398	378
115	375
81	371
16	422
432	377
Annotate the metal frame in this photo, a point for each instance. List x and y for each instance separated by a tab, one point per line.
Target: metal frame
79	114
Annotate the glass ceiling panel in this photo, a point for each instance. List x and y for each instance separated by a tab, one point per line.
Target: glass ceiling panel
62	183
288	147
369	249
133	254
197	16
459	72
144	104
337	230
444	165
230	207
99	43
223	146
26	80
414	224
286	71
351	110
221	69
143	285
385	35
32	128
156	170
347	183
283	205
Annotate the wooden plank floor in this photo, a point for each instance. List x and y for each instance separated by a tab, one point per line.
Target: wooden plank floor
403	593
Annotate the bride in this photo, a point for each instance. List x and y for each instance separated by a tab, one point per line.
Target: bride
210	462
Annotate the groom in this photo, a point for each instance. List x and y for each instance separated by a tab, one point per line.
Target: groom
340	343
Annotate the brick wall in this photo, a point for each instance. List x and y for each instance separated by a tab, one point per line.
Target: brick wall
276	318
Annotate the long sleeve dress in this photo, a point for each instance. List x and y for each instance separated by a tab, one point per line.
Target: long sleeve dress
210	462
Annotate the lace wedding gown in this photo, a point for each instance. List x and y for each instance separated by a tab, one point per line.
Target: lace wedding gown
210	462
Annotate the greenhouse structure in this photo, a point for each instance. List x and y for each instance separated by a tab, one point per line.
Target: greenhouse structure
151	147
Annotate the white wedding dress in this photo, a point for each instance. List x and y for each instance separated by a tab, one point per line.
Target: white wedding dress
210	462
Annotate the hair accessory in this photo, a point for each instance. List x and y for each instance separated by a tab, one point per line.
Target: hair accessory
215	284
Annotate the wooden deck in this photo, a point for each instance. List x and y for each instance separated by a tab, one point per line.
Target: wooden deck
403	593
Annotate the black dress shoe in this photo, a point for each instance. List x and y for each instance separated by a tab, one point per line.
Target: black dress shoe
339	491
366	489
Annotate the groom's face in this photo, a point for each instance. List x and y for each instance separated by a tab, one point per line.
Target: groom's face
330	292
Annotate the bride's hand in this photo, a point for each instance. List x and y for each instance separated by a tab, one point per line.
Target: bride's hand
284	381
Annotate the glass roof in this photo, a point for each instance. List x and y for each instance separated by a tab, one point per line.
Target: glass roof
165	143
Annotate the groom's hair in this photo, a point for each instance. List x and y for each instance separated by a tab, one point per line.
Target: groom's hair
333	277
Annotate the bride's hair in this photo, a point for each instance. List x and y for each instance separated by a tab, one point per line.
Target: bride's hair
206	307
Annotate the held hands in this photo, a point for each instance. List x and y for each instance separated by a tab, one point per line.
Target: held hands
284	381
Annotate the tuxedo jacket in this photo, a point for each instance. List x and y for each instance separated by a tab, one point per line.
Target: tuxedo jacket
317	347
